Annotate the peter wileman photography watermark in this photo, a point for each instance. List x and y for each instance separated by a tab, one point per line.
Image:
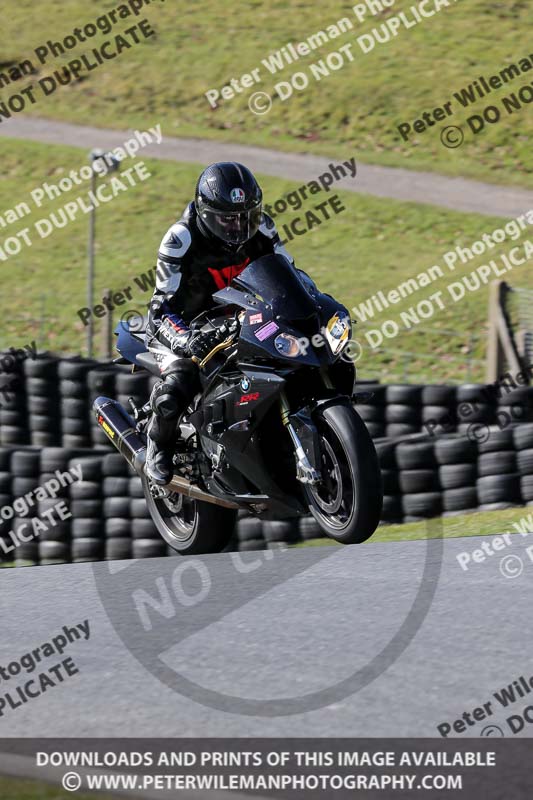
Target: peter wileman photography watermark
10	380
86	62
28	527
509	697
511	565
320	212
454	291
261	101
17	687
84	203
452	136
489	394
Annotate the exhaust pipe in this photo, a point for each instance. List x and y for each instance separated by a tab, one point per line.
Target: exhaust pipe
183	486
120	428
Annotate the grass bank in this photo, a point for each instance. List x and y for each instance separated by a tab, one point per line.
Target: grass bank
372	244
355	110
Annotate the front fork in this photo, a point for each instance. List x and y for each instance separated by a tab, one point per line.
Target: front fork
305	471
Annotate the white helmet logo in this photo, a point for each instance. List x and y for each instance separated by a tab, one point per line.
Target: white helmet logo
237	196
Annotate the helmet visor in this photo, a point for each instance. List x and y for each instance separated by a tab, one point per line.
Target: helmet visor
234	227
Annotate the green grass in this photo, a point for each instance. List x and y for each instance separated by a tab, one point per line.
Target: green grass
353	112
373	244
16	789
483	523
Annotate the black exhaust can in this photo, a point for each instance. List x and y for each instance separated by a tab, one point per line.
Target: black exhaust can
120	428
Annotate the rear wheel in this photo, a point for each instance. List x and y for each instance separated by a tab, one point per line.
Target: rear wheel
348	501
189	526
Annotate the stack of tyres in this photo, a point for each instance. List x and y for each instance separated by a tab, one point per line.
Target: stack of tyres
523	442
456	456
419	480
134	385
404	409
146	541
117	526
116	522
55	532
309	529
101	382
6	501
370	405
249	532
439	408
26	469
42	386
13	407
498	483
515	406
75	401
279	532
129	530
475	405
86	509
392	500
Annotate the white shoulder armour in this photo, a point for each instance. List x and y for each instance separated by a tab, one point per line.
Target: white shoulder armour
174	245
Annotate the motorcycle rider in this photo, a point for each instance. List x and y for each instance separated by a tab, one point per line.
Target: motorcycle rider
219	234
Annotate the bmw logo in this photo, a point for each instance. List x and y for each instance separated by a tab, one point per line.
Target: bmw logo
245	384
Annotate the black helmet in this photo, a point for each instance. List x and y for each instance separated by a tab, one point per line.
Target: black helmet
228	202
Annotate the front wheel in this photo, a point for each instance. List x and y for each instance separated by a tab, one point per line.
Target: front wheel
348	501
191	527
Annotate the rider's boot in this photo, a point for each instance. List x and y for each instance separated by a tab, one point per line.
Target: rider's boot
161	433
161	437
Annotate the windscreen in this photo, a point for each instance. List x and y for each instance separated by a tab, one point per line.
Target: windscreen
273	280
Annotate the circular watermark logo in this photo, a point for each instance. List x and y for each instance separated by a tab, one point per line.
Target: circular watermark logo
511	566
154	606
492	730
260	103
71	781
452	137
132	321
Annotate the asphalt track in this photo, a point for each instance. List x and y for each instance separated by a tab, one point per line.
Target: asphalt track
270	627
458	194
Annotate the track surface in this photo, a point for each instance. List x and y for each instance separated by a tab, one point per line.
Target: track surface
331	612
459	194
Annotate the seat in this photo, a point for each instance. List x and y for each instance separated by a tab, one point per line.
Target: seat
148	362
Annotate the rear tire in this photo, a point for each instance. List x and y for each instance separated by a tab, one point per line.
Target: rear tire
348	504
189	526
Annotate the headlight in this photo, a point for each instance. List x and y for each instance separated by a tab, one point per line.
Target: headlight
337	332
287	345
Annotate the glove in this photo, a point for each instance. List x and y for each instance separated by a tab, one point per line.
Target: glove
201	343
174	333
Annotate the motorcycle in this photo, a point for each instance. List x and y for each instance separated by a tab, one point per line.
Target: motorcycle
273	431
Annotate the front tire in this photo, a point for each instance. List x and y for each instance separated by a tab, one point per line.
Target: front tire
348	502
191	527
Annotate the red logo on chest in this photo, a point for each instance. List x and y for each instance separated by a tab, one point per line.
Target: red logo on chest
224	276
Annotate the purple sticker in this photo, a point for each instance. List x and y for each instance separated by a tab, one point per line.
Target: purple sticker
267	330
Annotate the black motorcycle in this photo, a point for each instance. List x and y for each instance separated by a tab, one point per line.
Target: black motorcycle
273	431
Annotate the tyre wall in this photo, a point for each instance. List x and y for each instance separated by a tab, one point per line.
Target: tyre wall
443	450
